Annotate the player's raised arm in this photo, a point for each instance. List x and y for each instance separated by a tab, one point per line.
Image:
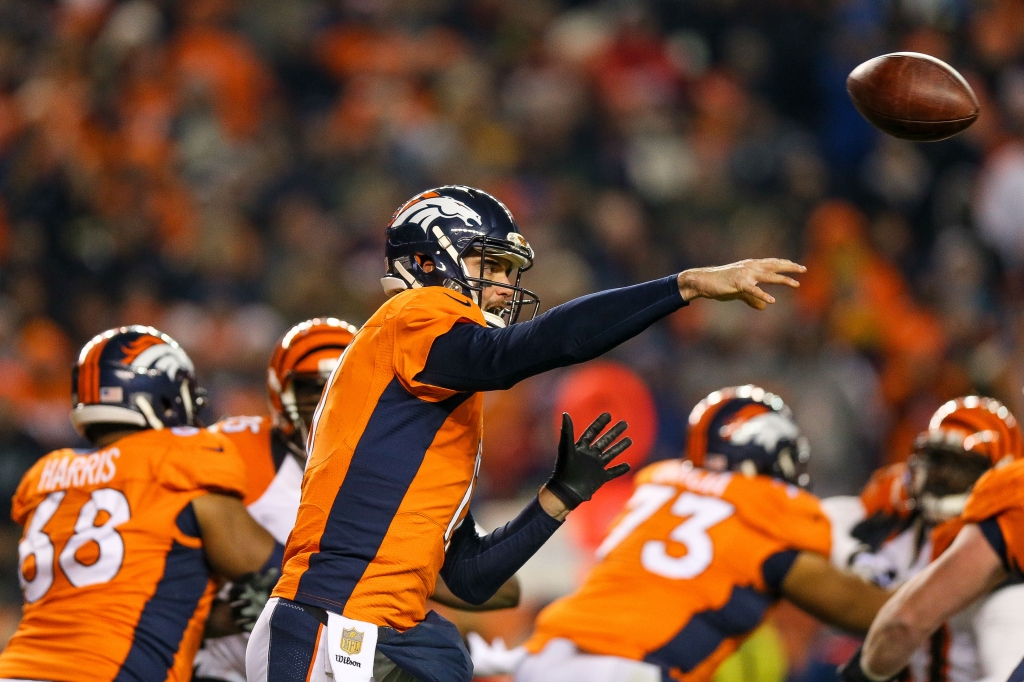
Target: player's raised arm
471	357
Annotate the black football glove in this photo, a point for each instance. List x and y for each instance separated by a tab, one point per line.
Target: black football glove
580	467
248	595
852	672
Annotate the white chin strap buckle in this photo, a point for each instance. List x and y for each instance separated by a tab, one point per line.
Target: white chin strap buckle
938	509
392	285
494	320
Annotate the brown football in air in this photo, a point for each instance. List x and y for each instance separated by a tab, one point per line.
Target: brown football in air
913	96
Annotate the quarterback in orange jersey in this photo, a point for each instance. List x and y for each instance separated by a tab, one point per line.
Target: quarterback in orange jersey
907	515
273	449
120	539
396	442
700	552
961	601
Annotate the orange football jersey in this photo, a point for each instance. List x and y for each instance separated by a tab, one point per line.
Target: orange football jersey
111	560
999	493
251	437
688	570
392	465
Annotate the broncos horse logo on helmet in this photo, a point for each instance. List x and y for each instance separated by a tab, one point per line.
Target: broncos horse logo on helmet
965	438
135	376
300	366
747	429
445	225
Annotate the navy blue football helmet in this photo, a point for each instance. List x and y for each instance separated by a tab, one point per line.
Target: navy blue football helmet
443	226
748	429
136	376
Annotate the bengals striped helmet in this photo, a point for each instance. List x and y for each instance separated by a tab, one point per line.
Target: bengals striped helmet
308	352
137	376
965	438
747	429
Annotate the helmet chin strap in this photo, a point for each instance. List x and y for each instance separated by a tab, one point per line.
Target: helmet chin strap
938	509
291	411
494	320
186	400
148	412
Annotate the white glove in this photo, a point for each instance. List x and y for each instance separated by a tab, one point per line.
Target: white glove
495	658
876	568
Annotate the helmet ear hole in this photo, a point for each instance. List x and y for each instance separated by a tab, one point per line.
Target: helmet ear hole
426	263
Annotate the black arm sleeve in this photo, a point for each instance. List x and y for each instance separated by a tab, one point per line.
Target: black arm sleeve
470	357
476	567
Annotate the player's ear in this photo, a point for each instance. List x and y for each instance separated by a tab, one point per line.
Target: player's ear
426	263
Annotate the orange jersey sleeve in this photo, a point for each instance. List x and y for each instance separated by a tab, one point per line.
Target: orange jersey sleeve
999	494
208	463
432	312
111	563
688	570
251	438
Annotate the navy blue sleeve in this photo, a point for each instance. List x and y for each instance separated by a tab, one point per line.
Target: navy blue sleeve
775	569
994	534
470	357
476	567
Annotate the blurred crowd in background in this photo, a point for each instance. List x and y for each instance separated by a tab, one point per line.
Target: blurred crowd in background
222	169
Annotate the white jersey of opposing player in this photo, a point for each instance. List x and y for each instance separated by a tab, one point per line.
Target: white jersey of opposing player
223	658
985	640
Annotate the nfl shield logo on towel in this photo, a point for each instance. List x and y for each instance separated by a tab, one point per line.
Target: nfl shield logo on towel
351	641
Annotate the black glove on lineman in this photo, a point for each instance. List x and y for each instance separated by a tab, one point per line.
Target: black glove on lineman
580	467
852	672
248	595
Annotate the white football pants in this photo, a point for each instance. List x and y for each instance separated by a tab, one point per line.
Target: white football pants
561	661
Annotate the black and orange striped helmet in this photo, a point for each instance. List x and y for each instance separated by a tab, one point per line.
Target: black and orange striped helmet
137	376
965	437
309	350
747	429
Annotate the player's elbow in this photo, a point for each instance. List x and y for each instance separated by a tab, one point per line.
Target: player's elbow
907	624
468	587
507	596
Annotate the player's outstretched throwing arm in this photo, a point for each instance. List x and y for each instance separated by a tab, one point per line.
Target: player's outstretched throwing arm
472	357
476	567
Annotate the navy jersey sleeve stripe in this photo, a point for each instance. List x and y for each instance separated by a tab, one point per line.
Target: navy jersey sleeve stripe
476	567
385	462
166	615
994	534
470	357
706	631
775	569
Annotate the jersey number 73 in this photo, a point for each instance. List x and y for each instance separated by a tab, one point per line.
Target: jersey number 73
701	513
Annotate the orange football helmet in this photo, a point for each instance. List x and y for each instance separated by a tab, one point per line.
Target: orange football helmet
308	352
965	438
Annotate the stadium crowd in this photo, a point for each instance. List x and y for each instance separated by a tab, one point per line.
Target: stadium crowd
223	169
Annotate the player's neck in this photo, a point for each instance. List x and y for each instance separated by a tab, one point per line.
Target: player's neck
112	437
